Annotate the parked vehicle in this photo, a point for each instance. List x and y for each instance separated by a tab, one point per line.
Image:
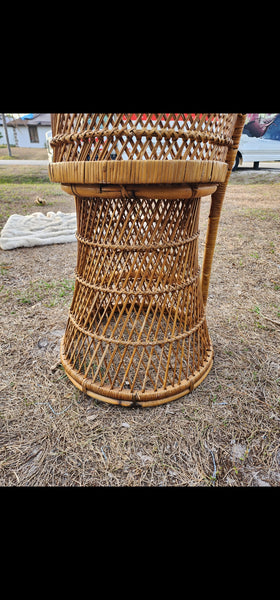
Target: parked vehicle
260	140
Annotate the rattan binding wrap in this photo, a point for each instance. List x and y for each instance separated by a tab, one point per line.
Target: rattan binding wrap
137	331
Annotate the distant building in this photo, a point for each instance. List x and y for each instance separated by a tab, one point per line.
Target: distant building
2	130
29	131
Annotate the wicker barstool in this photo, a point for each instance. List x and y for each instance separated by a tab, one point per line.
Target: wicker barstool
137	332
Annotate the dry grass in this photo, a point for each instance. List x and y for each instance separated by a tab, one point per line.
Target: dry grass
23	153
226	433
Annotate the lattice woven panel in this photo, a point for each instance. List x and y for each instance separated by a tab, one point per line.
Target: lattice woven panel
127	136
137	327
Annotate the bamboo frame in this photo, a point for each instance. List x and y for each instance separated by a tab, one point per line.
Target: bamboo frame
137	332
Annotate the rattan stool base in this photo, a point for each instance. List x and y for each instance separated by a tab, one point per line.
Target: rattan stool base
137	333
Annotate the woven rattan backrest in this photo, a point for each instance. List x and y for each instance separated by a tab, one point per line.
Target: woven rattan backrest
145	136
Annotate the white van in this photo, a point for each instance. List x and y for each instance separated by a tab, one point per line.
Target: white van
260	140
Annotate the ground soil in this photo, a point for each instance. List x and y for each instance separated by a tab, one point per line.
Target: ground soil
226	433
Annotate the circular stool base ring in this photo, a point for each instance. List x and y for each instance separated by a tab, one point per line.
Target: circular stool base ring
136	399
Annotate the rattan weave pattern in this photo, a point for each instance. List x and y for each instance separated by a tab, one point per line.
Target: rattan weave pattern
95	136
137	322
137	333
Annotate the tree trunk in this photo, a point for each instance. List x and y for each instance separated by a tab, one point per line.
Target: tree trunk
6	134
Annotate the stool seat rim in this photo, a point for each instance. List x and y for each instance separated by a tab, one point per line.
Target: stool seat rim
138	172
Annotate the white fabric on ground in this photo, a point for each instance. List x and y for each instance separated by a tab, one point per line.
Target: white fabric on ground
38	229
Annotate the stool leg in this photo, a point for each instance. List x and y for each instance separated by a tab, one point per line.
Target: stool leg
211	235
216	207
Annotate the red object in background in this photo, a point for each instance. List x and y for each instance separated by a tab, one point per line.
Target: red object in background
154	118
